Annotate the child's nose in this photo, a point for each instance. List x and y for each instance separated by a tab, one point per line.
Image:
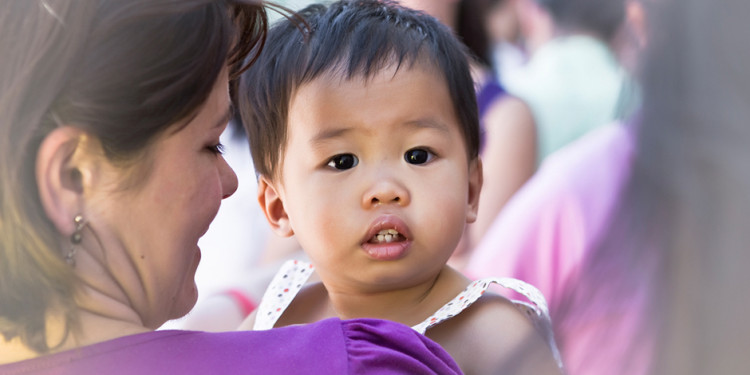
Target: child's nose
386	191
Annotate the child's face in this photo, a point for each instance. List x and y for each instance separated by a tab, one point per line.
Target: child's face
364	159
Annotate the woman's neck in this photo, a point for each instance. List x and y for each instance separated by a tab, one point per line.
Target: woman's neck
408	306
106	309
101	316
96	328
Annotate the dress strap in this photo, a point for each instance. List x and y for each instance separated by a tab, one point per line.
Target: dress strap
537	310
284	286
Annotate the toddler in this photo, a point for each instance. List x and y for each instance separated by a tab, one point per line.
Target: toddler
364	132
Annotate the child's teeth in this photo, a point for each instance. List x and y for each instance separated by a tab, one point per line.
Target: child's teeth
392	232
386	235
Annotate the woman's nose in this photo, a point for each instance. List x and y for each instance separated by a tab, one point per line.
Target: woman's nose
228	180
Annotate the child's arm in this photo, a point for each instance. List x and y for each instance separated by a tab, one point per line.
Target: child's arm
524	349
493	336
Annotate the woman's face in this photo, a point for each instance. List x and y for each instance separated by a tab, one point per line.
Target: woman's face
149	234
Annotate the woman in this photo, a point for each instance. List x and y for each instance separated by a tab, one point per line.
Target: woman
110	114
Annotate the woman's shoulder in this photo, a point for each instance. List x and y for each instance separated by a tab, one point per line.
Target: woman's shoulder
194	352
145	353
330	346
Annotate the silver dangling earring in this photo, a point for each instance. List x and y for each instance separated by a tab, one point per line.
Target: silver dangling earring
75	239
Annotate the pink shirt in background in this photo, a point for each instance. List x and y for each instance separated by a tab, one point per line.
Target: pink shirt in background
549	228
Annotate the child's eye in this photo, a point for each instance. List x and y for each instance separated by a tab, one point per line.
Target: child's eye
217	149
418	156
343	161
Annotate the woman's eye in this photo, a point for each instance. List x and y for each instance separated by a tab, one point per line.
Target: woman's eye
418	156
343	161
217	149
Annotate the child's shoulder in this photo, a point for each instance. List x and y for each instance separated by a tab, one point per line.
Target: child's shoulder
492	319
496	319
487	332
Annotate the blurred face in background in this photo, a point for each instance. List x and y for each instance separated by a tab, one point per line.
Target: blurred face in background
632	39
502	23
443	10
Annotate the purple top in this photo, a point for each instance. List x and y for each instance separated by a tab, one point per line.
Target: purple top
331	346
486	95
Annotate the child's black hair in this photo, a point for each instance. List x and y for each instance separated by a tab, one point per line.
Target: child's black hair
348	39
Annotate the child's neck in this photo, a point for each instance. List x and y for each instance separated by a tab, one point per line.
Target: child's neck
409	306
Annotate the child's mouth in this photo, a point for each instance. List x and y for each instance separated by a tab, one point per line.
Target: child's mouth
387	239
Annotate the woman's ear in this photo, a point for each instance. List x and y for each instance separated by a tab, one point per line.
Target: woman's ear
476	178
59	179
273	207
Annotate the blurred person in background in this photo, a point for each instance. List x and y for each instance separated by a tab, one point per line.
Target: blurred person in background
635	233
506	42
573	81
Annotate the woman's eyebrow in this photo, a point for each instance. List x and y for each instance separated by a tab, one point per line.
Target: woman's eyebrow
228	114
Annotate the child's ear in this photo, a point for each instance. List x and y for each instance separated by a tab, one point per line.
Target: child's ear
61	175
273	207
475	187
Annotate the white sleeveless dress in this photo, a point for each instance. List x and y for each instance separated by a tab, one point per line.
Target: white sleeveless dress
295	273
